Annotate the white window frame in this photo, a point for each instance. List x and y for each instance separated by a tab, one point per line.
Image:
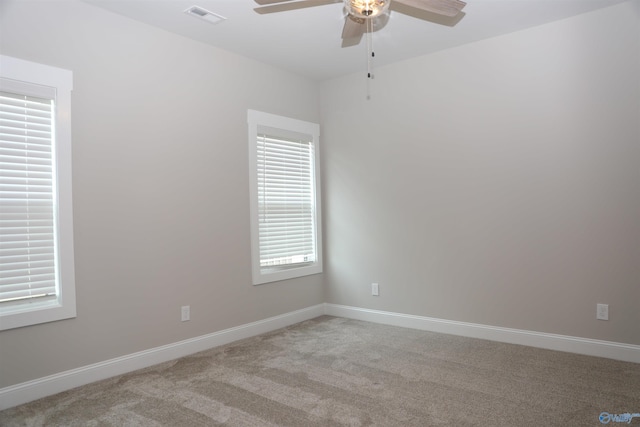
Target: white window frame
14	73
283	126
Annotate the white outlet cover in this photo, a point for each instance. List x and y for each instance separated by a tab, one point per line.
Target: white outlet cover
185	313
375	290
602	311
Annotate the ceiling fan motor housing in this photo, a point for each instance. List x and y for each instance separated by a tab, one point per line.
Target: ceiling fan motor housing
366	8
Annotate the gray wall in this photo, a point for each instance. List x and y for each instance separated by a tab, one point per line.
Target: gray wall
160	181
496	183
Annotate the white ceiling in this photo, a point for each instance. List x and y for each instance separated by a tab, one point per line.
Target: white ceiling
308	41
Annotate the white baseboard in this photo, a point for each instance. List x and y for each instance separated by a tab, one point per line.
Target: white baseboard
26	392
590	347
31	390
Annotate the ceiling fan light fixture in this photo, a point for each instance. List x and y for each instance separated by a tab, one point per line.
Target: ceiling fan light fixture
366	8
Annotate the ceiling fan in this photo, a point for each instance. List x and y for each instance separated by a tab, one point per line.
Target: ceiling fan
361	13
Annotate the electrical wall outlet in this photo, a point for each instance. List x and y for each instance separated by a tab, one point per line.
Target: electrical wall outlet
375	290
602	311
185	313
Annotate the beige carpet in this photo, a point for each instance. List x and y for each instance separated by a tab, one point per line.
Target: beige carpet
338	372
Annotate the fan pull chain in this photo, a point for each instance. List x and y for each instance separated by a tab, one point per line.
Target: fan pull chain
370	55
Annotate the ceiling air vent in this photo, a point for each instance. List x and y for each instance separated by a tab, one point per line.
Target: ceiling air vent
201	13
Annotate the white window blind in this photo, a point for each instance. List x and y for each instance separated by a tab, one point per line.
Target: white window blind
37	279
286	223
27	223
285	201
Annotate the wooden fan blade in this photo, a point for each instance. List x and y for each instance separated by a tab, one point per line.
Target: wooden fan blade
283	7
264	2
353	27
440	7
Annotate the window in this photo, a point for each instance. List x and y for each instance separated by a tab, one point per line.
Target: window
36	226
285	204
